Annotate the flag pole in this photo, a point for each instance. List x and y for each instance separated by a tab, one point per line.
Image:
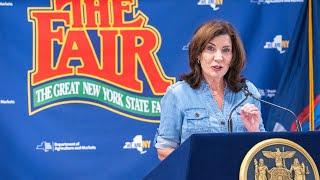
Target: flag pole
311	80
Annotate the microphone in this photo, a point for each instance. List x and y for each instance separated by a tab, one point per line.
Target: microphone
230	123
244	89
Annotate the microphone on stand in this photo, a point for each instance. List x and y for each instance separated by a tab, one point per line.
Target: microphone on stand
230	123
244	88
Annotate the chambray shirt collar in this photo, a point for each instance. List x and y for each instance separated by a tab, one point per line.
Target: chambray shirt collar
205	93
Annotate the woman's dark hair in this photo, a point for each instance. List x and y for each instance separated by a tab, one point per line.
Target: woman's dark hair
202	36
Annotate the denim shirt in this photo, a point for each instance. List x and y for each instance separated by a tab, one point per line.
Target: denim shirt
186	111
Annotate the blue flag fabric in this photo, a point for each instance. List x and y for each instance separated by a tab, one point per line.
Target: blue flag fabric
293	89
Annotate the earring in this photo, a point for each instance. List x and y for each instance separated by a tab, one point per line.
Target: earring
198	61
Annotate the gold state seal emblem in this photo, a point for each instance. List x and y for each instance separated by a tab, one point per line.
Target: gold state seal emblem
278	159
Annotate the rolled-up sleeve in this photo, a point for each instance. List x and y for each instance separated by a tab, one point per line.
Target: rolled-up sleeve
169	132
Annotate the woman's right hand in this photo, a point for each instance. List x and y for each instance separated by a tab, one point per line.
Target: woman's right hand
164	153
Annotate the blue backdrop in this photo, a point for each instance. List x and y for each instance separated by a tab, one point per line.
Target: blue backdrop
80	86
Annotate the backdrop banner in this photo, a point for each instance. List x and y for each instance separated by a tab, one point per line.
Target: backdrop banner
81	81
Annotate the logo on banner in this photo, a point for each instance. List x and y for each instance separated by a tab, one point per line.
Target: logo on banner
214	4
56	146
186	47
102	53
277	43
275	1
267	93
138	143
278	159
7	101
6	4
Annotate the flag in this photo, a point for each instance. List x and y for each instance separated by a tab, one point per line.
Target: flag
293	89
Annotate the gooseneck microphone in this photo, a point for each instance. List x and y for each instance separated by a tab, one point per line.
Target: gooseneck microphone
244	88
230	124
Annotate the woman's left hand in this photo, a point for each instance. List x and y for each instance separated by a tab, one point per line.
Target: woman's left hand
250	116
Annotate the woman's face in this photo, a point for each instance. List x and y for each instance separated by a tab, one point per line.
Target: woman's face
215	59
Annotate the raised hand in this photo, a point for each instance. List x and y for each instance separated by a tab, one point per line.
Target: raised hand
250	116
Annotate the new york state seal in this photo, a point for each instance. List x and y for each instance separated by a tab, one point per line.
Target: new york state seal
278	159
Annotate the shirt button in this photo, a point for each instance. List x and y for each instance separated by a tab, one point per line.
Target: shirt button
222	123
197	114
